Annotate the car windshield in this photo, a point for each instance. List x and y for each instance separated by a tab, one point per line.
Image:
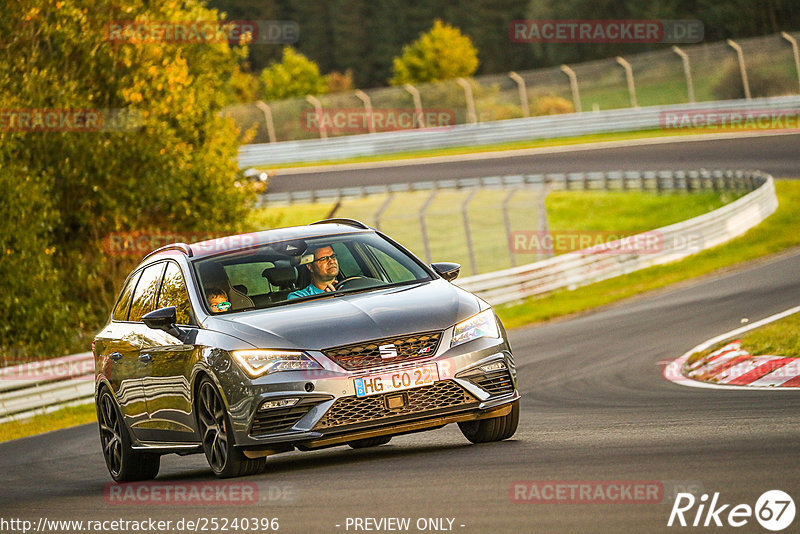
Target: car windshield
286	272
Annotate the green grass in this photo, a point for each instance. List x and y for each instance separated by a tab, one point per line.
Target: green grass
63	418
781	338
777	233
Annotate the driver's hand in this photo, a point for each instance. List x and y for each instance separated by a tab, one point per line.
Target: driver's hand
329	287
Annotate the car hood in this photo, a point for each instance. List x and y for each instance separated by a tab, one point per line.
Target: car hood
349	318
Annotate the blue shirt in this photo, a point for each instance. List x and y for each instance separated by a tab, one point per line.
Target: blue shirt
307	291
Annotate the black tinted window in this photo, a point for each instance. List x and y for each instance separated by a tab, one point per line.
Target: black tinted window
173	293
144	298
124	301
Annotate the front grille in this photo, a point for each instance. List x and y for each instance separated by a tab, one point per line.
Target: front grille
278	419
496	382
352	410
368	353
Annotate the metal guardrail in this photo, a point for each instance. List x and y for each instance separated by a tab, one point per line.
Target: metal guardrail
489	133
677	241
44	386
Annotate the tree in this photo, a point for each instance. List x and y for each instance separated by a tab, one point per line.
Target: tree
440	54
294	76
171	169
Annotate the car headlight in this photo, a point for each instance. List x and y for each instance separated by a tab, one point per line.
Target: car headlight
481	325
257	362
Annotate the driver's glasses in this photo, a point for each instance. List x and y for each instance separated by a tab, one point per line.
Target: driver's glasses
326	259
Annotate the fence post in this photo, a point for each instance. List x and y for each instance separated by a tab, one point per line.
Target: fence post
382	209
573	84
417	104
473	264
687	71
268	119
793	42
364	97
471	117
742	69
507	224
544	225
423	227
629	77
523	93
314	101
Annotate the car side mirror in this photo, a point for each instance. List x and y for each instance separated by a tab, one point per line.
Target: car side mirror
161	319
447	270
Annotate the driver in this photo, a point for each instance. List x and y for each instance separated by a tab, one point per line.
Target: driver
323	270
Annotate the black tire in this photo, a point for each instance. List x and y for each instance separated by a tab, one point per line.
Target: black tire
494	429
214	425
124	464
369	442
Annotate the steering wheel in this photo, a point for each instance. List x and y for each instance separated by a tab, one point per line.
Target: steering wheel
356	282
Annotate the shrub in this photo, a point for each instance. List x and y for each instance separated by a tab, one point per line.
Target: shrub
440	54
551	105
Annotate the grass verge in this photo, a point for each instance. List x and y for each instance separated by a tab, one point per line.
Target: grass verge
781	338
63	418
778	232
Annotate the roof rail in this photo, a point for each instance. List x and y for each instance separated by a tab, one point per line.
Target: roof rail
347	222
183	247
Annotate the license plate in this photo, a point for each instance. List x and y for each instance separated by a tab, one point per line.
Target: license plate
424	375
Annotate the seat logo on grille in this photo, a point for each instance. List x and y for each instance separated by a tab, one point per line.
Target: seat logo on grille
388	351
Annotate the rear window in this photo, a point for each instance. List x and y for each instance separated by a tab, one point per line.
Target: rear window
285	272
124	300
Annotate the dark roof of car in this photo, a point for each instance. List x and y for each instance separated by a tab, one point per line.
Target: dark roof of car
231	243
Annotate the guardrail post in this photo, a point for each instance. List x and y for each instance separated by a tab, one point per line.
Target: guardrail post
314	101
629	77
267	119
523	93
473	264
471	117
423	227
573	85
795	53
417	104
364	97
687	72
742	69
507	224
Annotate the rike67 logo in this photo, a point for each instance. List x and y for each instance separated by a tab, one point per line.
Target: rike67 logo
774	510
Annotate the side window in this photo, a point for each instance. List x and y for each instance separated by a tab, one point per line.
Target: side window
144	298
347	263
397	272
173	293
124	301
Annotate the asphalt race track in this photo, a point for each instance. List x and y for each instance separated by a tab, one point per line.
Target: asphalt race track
776	154
595	408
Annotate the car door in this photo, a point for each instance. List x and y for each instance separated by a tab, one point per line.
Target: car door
167	384
121	343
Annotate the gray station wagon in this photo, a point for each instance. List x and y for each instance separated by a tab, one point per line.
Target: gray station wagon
295	338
